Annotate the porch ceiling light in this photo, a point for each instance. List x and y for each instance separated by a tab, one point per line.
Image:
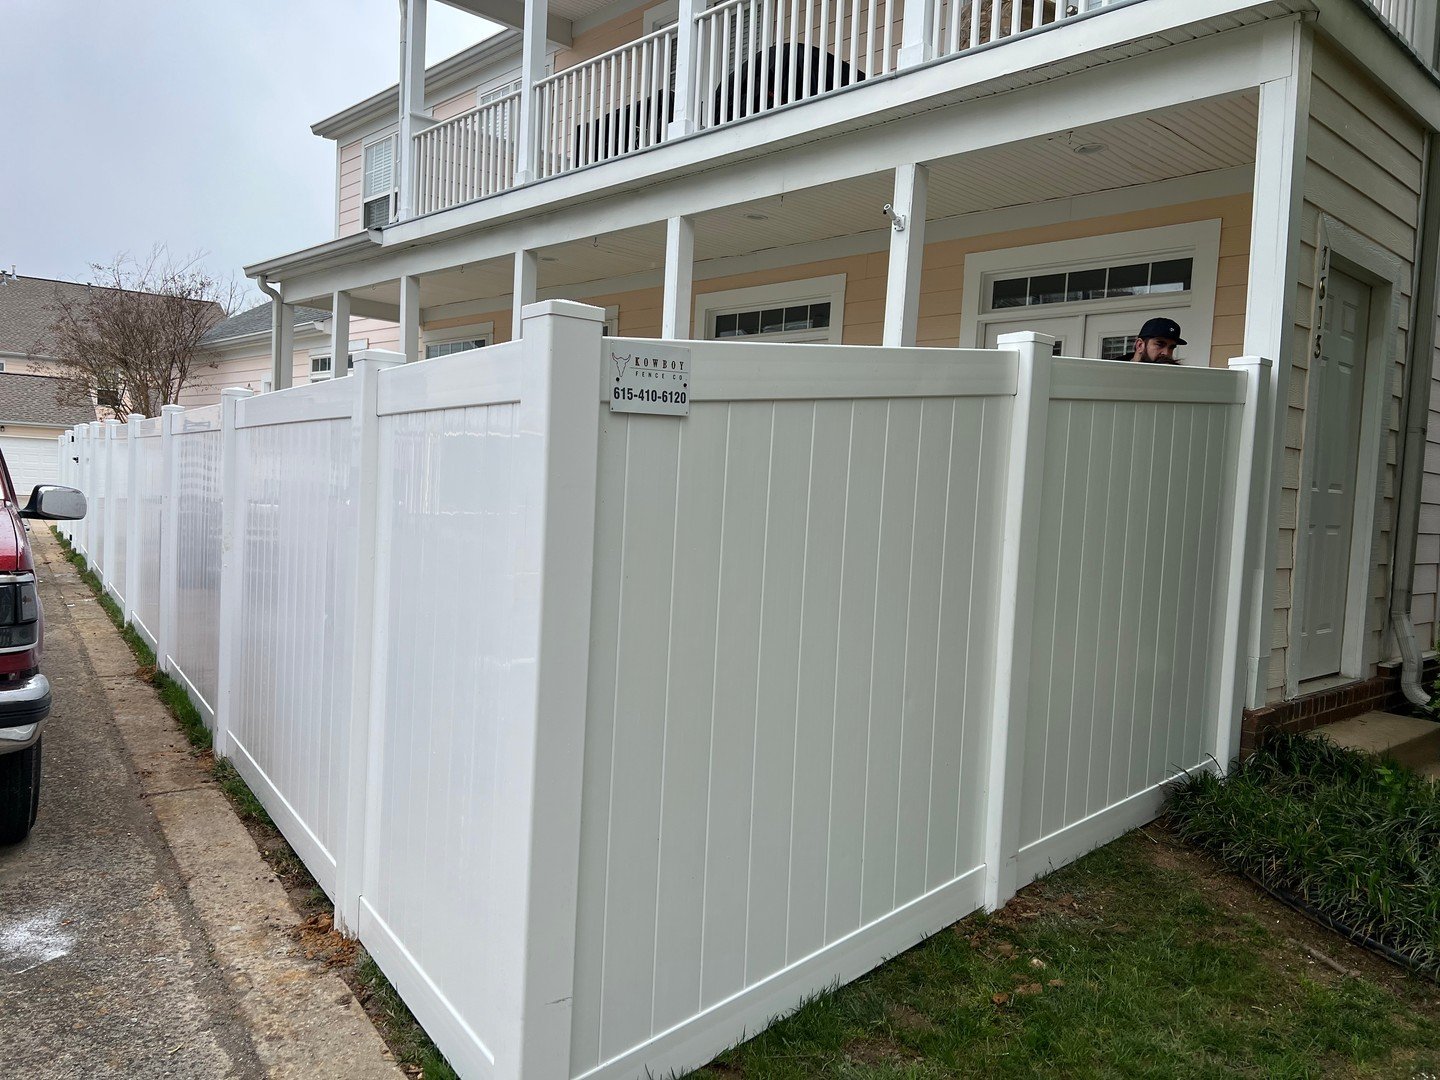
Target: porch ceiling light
1090	148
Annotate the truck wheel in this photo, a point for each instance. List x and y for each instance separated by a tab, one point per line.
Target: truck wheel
19	793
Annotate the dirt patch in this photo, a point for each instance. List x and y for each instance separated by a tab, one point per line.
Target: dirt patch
910	1019
879	1051
319	940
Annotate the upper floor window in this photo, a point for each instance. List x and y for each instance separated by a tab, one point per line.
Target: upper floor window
379	188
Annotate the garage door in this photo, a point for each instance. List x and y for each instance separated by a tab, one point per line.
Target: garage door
31	462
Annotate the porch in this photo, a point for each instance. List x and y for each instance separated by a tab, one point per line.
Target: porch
686	69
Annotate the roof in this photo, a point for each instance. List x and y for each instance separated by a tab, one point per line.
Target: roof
257	319
27	311
29	307
39	399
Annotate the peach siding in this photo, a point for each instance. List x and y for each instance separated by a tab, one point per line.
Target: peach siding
1363	169
602	38
455	106
351	168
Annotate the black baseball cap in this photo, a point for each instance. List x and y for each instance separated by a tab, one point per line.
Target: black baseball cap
1166	328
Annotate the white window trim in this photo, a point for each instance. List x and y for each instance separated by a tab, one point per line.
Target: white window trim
1197	240
392	135
356	345
484	330
779	294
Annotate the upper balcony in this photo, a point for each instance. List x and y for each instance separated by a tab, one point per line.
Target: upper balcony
697	68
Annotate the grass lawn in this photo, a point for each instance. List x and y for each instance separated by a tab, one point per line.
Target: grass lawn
1143	959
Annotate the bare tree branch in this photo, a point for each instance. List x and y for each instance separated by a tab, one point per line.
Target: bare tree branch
132	340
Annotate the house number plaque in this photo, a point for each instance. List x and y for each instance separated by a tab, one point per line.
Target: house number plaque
646	378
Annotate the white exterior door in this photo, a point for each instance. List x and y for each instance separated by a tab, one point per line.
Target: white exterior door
31	462
1068	332
1335	463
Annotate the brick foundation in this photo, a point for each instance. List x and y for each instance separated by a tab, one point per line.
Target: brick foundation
1309	711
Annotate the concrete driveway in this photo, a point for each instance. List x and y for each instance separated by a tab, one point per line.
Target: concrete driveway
141	933
105	967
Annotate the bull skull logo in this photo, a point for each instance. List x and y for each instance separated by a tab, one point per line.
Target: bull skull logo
621	363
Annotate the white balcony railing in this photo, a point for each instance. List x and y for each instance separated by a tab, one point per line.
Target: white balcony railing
755	55
468	156
614	104
750	56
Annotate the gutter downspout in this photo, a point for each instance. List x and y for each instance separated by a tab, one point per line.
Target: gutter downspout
277	380
1418	370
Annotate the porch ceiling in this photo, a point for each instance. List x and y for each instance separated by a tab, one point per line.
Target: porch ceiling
1199	137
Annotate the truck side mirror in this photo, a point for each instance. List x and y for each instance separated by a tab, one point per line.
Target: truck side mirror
55	503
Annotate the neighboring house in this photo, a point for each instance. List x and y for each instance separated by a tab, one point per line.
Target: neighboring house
34	411
27	314
1262	171
237	350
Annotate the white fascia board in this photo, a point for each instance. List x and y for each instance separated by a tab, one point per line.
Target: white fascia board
1227	63
1361	32
35	423
229	348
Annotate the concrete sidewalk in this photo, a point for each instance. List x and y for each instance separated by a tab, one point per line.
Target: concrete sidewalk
141	934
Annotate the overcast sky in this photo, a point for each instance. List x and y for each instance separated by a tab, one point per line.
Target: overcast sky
127	123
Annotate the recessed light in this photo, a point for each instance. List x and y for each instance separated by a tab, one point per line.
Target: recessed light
757	217
1091	148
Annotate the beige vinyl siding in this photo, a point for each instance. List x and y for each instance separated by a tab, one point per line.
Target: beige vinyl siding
351	177
942	282
1363	169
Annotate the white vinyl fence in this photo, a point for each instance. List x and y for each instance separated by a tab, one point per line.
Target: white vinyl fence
613	736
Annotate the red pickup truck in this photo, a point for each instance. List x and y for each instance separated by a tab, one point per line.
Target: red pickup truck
24	691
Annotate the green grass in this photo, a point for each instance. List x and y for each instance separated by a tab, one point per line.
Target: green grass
1145	974
407	1039
1355	838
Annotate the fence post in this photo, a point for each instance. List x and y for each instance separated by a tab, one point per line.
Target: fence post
82	481
132	518
107	546
232	551
365	456
558	430
171	418
1024	497
1246	591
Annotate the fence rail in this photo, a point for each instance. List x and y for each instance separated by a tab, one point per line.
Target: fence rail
487	652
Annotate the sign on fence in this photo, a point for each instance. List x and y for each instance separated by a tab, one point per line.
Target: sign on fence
652	379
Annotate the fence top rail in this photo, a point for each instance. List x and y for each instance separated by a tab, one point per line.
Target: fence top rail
764	371
203	418
489	376
460	118
654	35
333	399
1076	379
147	428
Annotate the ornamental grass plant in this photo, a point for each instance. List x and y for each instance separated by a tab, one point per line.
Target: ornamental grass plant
1348	837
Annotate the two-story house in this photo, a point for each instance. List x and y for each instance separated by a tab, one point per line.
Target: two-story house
936	173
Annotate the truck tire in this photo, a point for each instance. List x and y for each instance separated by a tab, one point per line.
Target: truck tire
19	793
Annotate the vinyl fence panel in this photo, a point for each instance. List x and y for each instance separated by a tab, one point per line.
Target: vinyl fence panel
118	482
789	686
289	729
148	495
1140	475
195	650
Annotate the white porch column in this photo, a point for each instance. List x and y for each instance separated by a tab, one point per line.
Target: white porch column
1280	152
527	271
532	70
686	104
679	277
907	250
339	334
916	33
282	345
412	97
409	319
